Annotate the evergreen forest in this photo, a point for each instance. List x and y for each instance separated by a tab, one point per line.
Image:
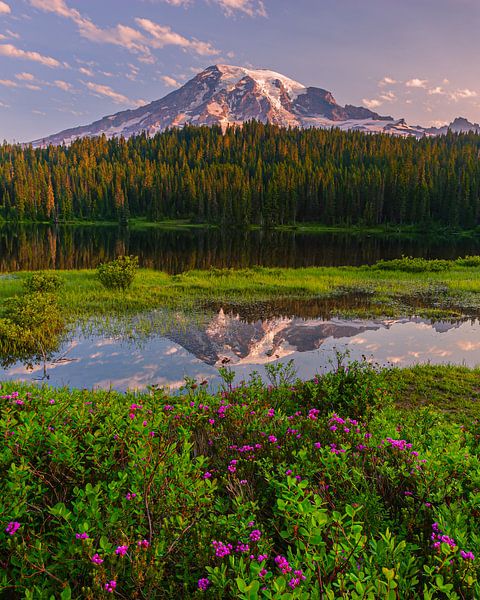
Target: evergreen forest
254	175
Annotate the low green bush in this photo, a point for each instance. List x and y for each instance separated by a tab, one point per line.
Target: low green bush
118	274
43	283
469	261
255	492
413	265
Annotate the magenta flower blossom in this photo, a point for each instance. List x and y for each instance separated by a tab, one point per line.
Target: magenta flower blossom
110	586
96	559
12	527
262	557
297	580
143	544
203	584
467	555
206	475
283	564
255	535
82	536
121	550
130	495
221	549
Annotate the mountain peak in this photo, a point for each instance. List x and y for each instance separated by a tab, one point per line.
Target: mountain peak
228	95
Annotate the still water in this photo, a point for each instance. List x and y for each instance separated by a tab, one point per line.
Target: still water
35	247
248	344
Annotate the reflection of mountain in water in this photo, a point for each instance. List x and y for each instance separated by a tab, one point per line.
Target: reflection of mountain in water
241	341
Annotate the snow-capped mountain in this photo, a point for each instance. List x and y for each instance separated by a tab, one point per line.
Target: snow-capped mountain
227	95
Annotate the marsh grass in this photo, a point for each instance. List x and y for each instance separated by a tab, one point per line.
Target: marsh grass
451	292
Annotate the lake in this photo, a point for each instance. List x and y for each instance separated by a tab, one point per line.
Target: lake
246	343
33	247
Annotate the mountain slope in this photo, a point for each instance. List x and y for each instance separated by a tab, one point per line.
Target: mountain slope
227	95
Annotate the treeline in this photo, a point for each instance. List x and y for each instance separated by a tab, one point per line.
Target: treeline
257	174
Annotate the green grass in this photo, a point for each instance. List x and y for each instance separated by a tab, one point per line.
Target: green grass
453	390
450	293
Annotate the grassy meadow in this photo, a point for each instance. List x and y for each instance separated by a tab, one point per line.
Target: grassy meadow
395	288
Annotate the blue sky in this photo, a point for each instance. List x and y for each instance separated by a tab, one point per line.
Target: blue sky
68	62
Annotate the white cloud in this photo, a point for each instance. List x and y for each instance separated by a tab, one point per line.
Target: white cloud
372	103
86	71
437	91
123	35
164	36
388	96
416	83
252	8
8	83
13	52
387	81
25	76
170	81
63	85
249	7
463	94
4	8
107	91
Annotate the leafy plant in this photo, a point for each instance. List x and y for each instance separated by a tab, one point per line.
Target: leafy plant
43	283
118	274
257	492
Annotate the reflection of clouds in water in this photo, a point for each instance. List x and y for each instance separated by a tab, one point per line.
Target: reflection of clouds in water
468	346
109	362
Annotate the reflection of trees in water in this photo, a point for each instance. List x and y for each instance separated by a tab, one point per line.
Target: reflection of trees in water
66	247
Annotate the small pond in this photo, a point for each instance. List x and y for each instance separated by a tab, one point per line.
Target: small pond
246	343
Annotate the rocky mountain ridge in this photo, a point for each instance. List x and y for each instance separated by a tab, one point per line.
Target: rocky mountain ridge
227	95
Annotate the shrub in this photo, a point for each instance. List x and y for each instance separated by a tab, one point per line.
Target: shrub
468	261
43	283
225	496
413	265
31	329
118	274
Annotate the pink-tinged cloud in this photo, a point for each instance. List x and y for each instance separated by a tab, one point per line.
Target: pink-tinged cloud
4	8
170	81
8	83
251	8
463	95
25	76
123	35
372	103
86	71
162	35
63	85
108	92
416	83
13	52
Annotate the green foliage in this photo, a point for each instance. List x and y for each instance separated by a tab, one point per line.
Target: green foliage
258	174
43	283
328	505
469	261
415	265
33	324
118	274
